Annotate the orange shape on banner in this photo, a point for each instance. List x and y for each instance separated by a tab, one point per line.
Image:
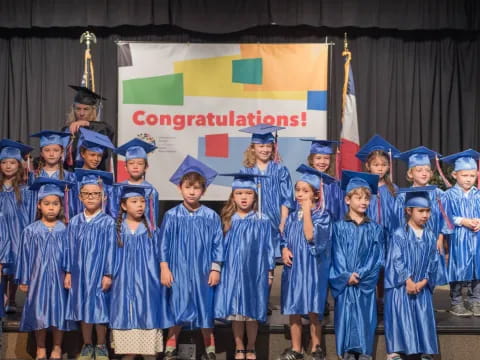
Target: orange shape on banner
289	67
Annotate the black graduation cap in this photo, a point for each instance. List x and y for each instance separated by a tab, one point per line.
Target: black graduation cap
85	96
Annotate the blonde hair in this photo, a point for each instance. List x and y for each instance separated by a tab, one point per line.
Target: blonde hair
230	208
409	175
71	114
362	190
249	158
331	168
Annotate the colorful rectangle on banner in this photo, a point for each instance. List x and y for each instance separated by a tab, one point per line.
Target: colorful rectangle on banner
247	71
317	100
157	90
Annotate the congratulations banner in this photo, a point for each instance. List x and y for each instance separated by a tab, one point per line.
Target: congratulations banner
191	99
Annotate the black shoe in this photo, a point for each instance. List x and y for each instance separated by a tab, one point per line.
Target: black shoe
290	354
318	354
209	356
269	309
171	355
326	311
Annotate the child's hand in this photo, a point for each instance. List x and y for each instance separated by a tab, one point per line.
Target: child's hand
287	257
411	287
23	287
306	205
354	279
106	283
213	278
440	246
420	285
166	277
67	281
470	223
476	226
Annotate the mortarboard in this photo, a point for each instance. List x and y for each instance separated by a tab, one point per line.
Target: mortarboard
376	143
50	137
10	149
321	146
94	141
465	160
97	177
135	149
352	180
417	196
418	156
190	164
244	181
314	177
85	96
129	191
48	186
262	133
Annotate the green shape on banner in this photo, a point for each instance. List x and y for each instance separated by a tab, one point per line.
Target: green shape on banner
247	71
158	90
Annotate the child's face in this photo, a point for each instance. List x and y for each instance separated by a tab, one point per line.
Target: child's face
465	178
91	197
191	193
263	152
358	202
303	192
9	167
134	207
321	162
50	207
419	216
51	154
91	159
378	166
136	168
244	199
420	175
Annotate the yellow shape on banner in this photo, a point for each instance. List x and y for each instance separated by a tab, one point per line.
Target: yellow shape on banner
289	67
212	77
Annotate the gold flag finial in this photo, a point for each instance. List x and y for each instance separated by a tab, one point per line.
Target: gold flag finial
345	42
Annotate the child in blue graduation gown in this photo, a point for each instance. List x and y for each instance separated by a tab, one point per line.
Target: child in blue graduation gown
192	251
17	203
410	278
137	297
261	158
322	158
306	246
462	205
50	165
136	163
43	262
357	258
92	244
242	295
92	146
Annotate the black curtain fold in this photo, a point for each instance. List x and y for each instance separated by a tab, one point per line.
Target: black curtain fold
225	16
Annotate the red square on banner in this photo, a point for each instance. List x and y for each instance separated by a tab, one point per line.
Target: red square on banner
122	173
216	145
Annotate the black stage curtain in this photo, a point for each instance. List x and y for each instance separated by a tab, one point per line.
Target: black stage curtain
224	16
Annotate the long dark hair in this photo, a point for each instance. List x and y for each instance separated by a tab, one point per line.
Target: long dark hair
16	182
386	178
119	222
60	216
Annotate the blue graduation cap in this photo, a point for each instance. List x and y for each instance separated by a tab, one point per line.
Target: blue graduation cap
376	143
314	177
135	149
48	186
97	177
418	156
417	196
321	146
465	160
352	180
94	141
10	149
190	164
262	133
129	191
50	137
85	96
244	181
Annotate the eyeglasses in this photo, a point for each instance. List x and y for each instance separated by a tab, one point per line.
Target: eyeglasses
93	195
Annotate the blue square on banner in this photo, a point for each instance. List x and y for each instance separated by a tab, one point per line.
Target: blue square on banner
317	100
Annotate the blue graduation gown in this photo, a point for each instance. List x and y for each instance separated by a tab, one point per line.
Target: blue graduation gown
277	191
464	262
14	216
149	192
381	209
137	296
72	196
304	284
249	255
334	200
5	259
190	243
92	247
360	249
43	261
410	319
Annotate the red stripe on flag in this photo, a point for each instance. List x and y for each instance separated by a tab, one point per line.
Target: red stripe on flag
349	161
